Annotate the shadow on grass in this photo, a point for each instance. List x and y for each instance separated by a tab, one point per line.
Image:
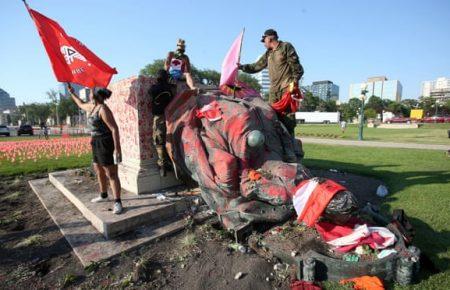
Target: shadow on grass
397	180
432	243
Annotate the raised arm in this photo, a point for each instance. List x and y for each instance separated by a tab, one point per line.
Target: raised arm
168	60
82	105
255	67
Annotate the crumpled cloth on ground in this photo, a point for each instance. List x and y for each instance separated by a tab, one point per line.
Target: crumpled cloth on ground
311	198
210	111
365	283
346	238
303	285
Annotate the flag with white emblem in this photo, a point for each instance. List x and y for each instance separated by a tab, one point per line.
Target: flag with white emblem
71	60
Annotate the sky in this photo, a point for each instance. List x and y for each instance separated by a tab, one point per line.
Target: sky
342	41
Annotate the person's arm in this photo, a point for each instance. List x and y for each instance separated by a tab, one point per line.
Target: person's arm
187	68
168	60
82	105
294	63
107	116
258	66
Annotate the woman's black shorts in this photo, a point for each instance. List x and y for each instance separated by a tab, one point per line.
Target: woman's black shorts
103	150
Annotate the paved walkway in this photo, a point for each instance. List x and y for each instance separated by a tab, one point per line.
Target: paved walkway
374	144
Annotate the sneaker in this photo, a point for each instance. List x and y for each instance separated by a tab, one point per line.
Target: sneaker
117	208
99	199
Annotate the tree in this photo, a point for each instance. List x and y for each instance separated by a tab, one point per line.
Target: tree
410	103
209	77
406	111
321	107
347	113
375	103
370	113
309	103
394	107
153	68
446	107
249	80
42	112
34	113
330	106
205	76
427	104
386	104
355	104
67	107
54	98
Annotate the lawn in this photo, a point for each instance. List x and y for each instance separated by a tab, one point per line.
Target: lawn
40	155
427	134
25	138
47	165
418	181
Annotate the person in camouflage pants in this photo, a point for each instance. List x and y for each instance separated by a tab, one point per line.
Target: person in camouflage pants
161	93
284	67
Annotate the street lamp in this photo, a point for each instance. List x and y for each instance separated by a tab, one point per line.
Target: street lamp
361	112
436	105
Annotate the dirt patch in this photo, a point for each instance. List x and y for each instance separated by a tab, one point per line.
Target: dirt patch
198	258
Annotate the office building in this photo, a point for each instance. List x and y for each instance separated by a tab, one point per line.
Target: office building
380	87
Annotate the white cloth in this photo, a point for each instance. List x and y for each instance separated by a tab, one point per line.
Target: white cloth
363	231
303	194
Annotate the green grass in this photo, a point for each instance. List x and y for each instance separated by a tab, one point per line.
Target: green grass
25	138
426	134
418	181
7	169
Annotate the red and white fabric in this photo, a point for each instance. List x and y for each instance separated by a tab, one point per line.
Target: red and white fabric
312	197
211	112
345	238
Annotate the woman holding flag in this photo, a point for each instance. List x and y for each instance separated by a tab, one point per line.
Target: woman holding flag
105	142
73	62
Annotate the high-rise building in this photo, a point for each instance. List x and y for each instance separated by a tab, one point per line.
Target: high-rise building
263	80
439	88
380	87
6	102
325	90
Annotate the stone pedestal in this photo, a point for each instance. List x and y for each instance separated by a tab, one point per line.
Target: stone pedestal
131	107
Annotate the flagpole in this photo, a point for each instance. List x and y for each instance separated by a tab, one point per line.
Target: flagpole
239	61
26	4
28	8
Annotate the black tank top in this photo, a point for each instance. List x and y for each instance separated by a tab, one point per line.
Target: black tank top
96	125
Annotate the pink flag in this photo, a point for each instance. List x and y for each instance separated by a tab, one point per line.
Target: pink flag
229	64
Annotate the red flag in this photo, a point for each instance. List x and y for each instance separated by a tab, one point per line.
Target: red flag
71	60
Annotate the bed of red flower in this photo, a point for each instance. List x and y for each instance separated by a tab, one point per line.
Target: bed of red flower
36	150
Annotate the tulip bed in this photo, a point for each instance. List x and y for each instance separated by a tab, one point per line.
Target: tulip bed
29	156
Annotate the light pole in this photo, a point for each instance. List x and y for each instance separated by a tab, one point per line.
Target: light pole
436	105
361	112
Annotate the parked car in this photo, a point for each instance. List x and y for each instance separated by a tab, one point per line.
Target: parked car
398	120
25	130
433	119
4	130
